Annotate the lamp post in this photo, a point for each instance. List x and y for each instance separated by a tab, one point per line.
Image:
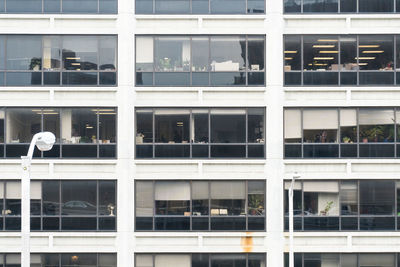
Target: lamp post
291	218
44	142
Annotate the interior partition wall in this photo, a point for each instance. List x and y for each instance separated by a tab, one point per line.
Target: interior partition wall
345	205
200	133
200	205
200	60
342	60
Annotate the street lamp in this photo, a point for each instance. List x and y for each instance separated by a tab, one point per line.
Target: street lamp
44	142
291	245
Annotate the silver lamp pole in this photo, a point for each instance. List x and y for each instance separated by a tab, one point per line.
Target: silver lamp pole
291	218
44	142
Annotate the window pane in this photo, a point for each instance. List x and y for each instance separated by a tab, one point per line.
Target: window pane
375	6
255	6
200	7
51	198
320	6
222	260
386	260
143	260
199	129
228	6
172	53
200	53
228	53
107	260
292	6
320	126
348	5
87	260
24	52
80	52
172	198
107	201
292	53
349	198
144	53
321	52
228	126
13	199
172	6
292	118
163	260
256	203
108	6
107	125
144	199
144	122
172	127
228	198
51	53
2	52
199	260
348	53
24	6
256	56
79	197
143	7
255	131
321	198
376	125
377	197
52	6
79	126
348	125
200	196
80	6
107	53
51	122
376	52
22	124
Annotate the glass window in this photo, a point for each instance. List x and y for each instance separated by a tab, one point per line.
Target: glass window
172	53
24	6
74	259
200	196
321	198
144	128
320	6
87	260
81	6
24	52
2	52
144	53
386	260
376	125
171	126
320	126
376	52
349	198
51	198
51	53
79	126
348	53
321	53
348	125
292	52
107	53
199	126
164	260
144	198
79	198
172	198
228	53
228	126
256	54
236	260
200	54
80	52
228	198
13	198
107	200
377	198
348	260
255	123
172	6
256	203
227	7
107	126
22	124
292	119
375	6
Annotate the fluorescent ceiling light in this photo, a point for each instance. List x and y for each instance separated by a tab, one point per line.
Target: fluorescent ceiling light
327	40
290	51
366	58
328	52
323	46
323	58
369	46
72	58
363	63
373	51
288	58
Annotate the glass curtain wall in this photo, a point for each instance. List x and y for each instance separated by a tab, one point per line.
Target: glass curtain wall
350	205
200	133
341	133
341	6
79	205
200	205
200	60
80	132
341	60
58	60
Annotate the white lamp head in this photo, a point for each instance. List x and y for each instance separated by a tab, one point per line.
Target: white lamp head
45	141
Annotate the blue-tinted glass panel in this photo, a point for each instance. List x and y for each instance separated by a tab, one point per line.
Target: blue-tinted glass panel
255	6
144	6
321	78
172	78
320	6
292	6
376	78
79	6
172	223
52	6
200	7
24	6
51	78
228	6
23	78
144	78
348	6
24	52
375	6
292	78
228	78
108	6
79	78
172	6
200	78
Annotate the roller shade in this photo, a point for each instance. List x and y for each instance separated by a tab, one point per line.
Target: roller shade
348	193
381	260
349	260
228	190
348	117
172	261
13	190
228	111
1	190
109	260
36	190
144	199
317	119
35	259
321	186
292	123
144	261
171	111
256	187
200	190
330	260
297	185
376	116
144	50
172	191
13	259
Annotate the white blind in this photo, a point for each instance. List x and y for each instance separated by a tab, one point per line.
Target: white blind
13	190
144	50
36	190
228	111
228	190
13	259
109	260
330	260
172	190
376	116
317	119
321	186
297	185
171	111
348	117
381	260
292	123
1	190
200	190
35	259
144	199
348	260
172	261
144	261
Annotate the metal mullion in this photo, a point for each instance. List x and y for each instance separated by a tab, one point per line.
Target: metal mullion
154	205
247	133
339	12
209	55
358	205
246	204
302	54
358	131
357	6
358	55
338	135
98	57
302	206
339	61
395	205
42	54
154	56
191	53
60	211
209	134
247	55
395	53
302	132
190	133
154	132
4	132
190	205
4	205
98	131
340	204
97	204
395	132
301	6
5	58
209	205
41	207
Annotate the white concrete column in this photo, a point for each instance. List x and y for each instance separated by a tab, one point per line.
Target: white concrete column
25	211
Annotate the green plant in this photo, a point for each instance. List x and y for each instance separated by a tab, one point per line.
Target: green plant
35	62
165	63
346	139
256	204
328	207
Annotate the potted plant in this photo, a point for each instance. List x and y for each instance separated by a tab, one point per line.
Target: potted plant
327	208
346	139
35	64
256	204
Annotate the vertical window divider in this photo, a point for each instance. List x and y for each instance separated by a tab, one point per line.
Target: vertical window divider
190	133
358	205
154	134
4	133
191	206
209	205
246	203
302	53
358	58
97	205
98	57
154	55
60	205
395	132
154	205
339	134
98	131
302	133
358	132
247	133
60	132
395	205
338	6
339	58
42	54
42	126
302	205
209	59
5	58
246	56
4	205
395	54
209	134
41	206
191	53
